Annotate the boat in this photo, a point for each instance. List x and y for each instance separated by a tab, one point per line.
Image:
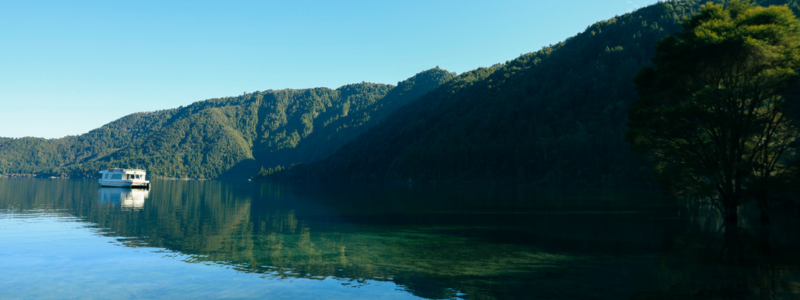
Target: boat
130	178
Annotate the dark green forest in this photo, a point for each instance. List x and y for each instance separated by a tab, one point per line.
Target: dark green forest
711	113
232	137
555	116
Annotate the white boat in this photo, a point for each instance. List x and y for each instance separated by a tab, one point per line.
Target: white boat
133	178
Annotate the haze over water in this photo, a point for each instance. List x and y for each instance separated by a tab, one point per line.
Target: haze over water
209	239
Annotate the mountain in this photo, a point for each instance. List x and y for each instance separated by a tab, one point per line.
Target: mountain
555	116
221	138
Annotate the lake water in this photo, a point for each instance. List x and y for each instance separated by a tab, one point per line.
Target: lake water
63	239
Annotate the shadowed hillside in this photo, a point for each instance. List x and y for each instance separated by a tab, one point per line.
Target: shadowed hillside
555	116
226	137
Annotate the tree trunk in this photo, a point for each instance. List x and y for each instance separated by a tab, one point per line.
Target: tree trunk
763	205
732	248
731	211
764	238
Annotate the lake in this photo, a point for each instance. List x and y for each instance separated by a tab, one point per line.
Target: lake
65	238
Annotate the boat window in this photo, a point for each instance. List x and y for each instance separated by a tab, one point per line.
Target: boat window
116	176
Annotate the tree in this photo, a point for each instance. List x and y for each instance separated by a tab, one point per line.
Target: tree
711	108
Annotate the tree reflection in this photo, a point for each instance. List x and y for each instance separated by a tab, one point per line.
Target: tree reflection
283	235
718	260
475	244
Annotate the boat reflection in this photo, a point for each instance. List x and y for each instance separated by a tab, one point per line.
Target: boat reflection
126	199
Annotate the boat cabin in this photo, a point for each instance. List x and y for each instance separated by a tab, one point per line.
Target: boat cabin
123	178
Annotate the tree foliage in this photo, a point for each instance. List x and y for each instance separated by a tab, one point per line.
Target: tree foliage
712	109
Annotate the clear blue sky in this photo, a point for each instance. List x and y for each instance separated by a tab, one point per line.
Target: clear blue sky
67	67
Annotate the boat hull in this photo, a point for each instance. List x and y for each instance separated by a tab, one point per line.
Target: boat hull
125	183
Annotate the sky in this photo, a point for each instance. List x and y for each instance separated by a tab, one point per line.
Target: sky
67	67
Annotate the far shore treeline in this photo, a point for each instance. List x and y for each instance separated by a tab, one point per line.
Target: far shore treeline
557	116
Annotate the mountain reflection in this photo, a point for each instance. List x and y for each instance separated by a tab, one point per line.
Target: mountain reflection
475	243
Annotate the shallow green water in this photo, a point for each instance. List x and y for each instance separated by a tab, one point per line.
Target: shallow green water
72	239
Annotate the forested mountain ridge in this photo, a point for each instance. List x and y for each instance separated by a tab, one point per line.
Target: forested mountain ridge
555	116
332	133
225	137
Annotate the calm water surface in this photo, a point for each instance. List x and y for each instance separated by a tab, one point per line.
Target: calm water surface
62	239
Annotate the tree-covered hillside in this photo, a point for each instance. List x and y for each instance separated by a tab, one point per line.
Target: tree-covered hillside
226	137
555	116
